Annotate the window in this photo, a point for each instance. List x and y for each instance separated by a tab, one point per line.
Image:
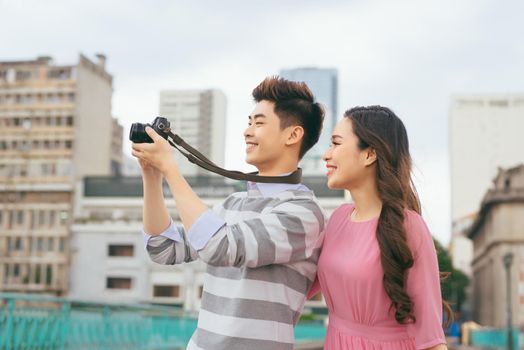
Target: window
64	215
118	283
20	217
120	250
59	74
41	216
23	75
52	218
26	123
61	244
499	103
49	275
16	270
166	291
50	244
40	244
19	244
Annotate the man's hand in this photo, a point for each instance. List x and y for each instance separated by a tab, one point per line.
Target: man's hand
157	155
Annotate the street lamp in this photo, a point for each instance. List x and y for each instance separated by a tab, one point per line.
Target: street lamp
508	260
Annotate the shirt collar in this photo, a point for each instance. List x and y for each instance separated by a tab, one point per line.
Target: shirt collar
271	189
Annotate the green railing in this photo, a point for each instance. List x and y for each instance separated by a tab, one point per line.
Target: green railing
40	322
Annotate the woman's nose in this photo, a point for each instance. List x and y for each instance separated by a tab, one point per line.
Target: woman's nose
326	156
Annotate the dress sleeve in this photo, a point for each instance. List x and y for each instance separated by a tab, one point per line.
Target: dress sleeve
315	288
423	285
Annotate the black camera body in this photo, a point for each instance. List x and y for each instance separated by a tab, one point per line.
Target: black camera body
138	133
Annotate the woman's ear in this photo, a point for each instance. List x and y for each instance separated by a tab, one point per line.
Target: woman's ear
371	156
296	133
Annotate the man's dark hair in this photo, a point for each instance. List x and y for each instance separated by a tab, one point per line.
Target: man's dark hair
294	105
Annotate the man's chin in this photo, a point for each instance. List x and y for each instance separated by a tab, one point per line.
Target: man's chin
250	160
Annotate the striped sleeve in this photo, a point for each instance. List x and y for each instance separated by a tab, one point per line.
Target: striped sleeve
170	247
290	232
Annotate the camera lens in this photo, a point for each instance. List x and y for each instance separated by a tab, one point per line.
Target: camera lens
138	134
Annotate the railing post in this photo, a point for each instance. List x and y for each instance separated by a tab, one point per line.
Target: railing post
10	331
107	331
64	329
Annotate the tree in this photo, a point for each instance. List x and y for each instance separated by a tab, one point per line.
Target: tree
454	286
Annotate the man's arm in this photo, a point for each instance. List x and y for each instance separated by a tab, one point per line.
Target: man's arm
155	214
159	155
289	233
166	243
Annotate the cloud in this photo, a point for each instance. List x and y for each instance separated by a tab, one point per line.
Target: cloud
408	55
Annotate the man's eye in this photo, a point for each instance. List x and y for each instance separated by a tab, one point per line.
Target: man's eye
259	123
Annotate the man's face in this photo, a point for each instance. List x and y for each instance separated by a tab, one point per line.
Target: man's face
265	141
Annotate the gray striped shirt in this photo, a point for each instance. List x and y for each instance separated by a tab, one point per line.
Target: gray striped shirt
261	248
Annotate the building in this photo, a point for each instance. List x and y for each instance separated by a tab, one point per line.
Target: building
485	133
199	117
323	82
109	261
55	127
497	230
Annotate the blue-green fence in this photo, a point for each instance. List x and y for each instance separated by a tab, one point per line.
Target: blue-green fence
39	322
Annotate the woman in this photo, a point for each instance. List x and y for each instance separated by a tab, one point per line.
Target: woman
378	268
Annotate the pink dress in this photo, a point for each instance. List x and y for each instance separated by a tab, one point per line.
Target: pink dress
350	276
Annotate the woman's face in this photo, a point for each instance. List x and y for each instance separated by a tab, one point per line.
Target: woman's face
347	165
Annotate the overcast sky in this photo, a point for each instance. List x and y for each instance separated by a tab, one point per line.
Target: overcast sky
408	55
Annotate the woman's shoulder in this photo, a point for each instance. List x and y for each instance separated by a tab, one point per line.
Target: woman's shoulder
341	212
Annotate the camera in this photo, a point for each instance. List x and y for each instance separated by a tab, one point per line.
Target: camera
138	133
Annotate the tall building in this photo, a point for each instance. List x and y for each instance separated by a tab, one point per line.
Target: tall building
55	127
199	117
497	231
323	82
485	134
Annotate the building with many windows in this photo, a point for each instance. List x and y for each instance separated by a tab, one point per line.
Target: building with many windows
55	127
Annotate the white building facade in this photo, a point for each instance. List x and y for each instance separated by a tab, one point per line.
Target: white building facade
109	261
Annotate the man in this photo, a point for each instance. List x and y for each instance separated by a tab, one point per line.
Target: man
261	246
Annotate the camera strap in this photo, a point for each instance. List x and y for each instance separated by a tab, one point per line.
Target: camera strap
199	159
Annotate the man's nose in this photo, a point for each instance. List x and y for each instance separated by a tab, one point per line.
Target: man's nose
248	131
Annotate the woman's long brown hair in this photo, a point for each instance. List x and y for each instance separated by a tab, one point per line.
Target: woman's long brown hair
379	128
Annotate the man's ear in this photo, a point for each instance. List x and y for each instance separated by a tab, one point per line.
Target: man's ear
295	135
371	156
